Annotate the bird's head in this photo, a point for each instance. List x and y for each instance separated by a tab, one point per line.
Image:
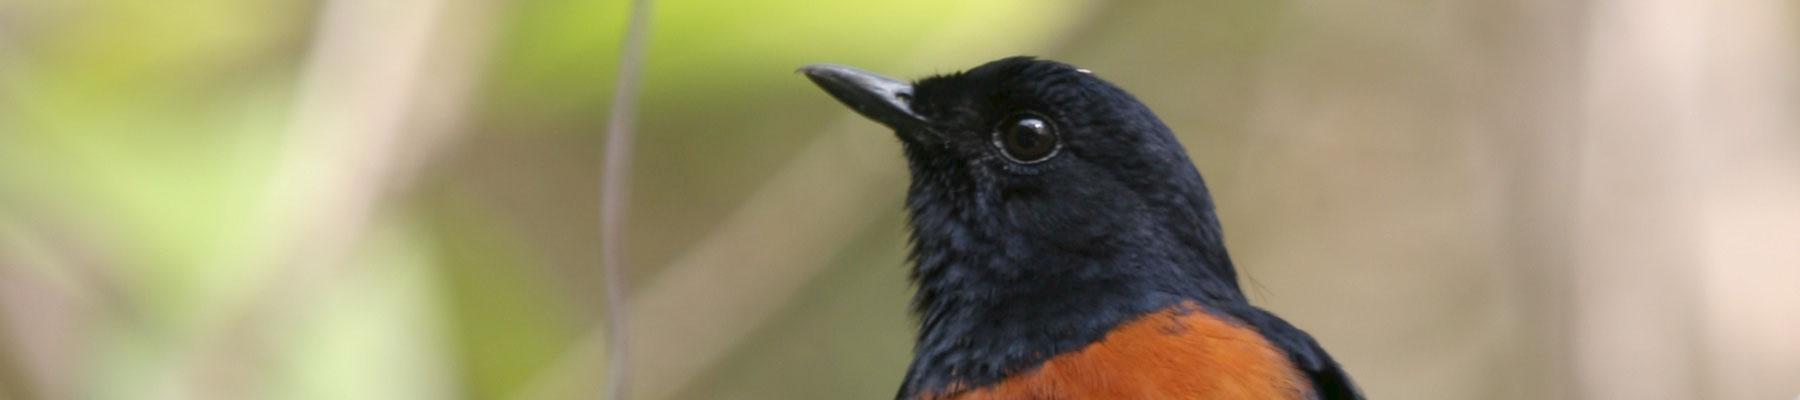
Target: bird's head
1046	205
1044	167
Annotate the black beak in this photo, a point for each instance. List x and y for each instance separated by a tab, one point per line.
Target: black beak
883	99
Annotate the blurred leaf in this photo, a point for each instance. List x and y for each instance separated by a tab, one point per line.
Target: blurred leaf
379	335
506	328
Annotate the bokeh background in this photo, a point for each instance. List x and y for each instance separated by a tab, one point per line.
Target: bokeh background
397	199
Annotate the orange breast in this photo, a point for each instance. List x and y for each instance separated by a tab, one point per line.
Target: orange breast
1174	354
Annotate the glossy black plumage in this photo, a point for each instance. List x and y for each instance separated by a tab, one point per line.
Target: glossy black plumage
1016	263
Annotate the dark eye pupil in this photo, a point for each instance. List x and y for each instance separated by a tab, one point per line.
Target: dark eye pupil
1025	138
1028	139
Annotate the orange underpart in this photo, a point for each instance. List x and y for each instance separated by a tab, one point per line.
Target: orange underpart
1178	353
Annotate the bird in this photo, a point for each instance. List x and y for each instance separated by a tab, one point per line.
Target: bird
1064	246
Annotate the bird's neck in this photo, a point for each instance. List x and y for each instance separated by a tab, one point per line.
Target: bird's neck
980	324
990	305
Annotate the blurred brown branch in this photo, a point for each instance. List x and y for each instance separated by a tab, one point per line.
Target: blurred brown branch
1686	219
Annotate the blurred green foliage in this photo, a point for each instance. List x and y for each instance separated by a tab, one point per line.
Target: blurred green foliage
142	142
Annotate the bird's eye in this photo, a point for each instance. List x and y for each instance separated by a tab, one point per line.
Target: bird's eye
1027	139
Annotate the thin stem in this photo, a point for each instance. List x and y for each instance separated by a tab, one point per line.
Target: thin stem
614	192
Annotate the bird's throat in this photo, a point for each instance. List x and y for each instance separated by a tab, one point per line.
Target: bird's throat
987	312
